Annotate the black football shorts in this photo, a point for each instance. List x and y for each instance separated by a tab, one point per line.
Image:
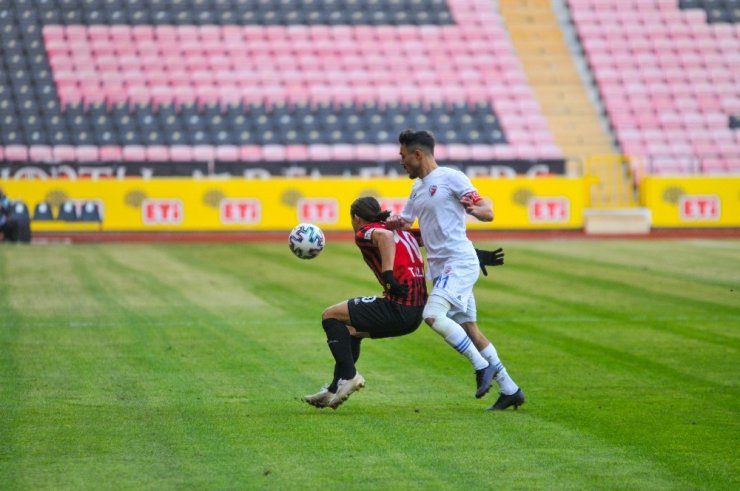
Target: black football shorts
382	318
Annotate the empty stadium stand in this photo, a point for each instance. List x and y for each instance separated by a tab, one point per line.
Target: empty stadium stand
577	127
669	75
146	80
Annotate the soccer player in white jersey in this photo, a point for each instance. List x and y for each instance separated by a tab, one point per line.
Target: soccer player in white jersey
439	198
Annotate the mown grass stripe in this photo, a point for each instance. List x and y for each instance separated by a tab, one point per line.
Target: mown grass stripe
627	257
593	301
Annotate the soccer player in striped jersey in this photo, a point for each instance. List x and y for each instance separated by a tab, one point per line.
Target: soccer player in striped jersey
440	198
395	259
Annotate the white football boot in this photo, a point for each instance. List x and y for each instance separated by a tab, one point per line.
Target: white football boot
345	388
320	399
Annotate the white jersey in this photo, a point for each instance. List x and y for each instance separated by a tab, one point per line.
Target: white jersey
435	200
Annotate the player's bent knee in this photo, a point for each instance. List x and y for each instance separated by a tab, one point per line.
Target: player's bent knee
435	308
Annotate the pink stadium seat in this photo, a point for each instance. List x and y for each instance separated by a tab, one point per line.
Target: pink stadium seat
388	151
459	152
319	152
39	153
273	152
110	153
227	153
296	152
181	153
343	152
141	32
137	94
250	153
134	153
64	153
483	152
367	152
204	152
157	153
87	153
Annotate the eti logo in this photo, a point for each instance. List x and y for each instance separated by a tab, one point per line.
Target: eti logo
549	210
162	211
395	205
240	211
324	210
699	207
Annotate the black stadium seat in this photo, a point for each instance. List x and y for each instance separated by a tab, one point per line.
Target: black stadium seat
67	212
42	212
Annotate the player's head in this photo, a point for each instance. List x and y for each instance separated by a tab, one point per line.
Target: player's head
365	210
416	147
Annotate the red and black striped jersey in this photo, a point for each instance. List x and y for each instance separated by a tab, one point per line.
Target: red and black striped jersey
408	265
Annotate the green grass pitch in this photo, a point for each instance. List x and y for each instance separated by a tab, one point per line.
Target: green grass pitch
182	367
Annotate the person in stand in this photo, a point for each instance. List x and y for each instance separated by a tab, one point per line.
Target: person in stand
8	225
395	259
440	198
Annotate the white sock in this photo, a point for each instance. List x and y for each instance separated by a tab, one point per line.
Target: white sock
456	337
505	382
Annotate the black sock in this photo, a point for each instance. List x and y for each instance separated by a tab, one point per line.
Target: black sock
355	356
340	344
356	348
333	385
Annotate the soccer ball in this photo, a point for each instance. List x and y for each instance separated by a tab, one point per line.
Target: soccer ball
306	241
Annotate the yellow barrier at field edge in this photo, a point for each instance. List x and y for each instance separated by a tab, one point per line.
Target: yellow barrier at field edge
692	202
181	204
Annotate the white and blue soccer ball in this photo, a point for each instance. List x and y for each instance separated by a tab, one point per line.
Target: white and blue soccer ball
306	241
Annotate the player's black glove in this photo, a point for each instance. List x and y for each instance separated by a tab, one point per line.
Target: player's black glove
490	258
392	286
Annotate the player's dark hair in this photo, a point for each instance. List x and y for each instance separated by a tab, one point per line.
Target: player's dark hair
369	210
413	139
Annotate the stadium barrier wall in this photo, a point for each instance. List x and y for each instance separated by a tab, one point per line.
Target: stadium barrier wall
180	204
692	202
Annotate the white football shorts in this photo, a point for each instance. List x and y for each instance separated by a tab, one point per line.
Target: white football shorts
455	285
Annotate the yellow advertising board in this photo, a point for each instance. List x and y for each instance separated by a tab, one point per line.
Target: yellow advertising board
692	202
278	204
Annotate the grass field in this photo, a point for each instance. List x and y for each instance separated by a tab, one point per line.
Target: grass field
182	367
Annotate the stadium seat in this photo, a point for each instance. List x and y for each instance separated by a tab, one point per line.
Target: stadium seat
40	153
67	212
16	152
19	211
90	212
42	212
